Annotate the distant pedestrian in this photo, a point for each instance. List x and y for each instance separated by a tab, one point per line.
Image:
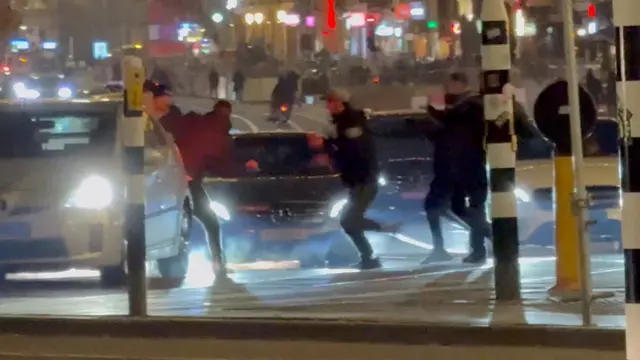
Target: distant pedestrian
238	84
214	82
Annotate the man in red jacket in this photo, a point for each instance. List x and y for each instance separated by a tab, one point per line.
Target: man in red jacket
196	138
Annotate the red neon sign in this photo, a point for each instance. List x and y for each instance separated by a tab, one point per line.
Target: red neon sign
331	14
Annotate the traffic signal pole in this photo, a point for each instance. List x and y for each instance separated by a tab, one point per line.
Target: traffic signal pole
133	140
627	22
501	147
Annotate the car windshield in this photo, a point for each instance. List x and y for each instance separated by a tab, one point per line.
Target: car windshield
287	155
602	142
34	135
396	138
44	65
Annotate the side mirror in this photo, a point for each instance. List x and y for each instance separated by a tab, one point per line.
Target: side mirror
153	158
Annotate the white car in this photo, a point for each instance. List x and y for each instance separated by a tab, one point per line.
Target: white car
62	193
535	182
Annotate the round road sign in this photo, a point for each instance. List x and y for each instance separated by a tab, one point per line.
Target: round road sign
551	113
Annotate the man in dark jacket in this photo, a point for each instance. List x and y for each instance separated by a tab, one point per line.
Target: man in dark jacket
352	149
460	166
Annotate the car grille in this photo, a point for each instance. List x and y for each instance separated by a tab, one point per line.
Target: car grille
600	197
290	215
11	250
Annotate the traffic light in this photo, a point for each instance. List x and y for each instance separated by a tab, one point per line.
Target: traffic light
591	11
431	24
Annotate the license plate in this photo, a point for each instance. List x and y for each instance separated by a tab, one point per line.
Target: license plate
284	234
614	214
413	195
15	230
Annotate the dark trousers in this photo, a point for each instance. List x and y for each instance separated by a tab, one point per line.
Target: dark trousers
447	197
209	220
353	220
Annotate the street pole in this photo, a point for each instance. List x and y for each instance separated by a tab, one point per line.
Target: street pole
501	147
625	18
580	200
133	141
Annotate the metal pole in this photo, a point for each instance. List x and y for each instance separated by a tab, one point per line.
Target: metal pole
133	141
627	22
501	147
580	199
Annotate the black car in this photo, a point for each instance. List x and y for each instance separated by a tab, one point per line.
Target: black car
281	204
405	157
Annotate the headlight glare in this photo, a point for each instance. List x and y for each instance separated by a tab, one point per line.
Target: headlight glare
94	193
521	195
64	92
337	208
220	210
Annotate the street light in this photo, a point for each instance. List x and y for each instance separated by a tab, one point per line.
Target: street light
259	18
249	18
281	16
217	18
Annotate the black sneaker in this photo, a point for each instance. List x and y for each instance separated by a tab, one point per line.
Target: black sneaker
369	264
475	258
437	256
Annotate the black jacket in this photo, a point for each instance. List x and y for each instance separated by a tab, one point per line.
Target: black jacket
459	140
352	148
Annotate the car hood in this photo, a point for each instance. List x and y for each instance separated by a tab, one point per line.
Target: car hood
597	171
295	193
49	178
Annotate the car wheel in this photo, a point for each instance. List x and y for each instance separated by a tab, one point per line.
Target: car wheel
176	267
114	276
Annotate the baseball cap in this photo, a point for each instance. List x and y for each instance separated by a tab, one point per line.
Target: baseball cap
156	88
337	94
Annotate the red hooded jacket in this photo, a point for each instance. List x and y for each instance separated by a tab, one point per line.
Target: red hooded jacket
205	144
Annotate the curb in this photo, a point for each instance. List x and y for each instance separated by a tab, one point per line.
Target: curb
320	331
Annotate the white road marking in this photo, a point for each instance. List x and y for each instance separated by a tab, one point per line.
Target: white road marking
248	122
411	241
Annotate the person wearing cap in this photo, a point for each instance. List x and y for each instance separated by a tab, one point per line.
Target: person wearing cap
351	147
158	103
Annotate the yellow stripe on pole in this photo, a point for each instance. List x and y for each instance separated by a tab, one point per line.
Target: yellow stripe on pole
566	240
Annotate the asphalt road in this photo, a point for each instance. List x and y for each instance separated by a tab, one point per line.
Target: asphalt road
77	292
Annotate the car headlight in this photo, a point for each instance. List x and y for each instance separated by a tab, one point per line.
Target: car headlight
521	195
337	208
94	192
220	210
382	181
22	92
19	87
65	92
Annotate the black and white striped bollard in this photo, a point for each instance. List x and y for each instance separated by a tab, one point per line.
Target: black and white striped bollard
501	147
627	22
